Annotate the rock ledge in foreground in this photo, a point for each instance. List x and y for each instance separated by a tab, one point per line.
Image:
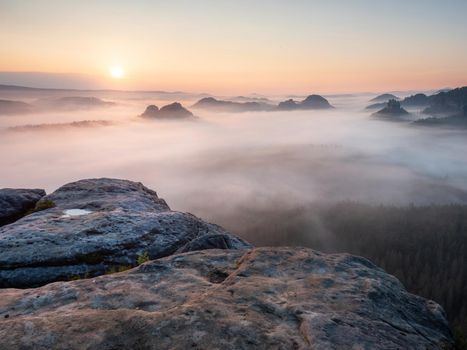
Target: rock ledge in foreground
265	298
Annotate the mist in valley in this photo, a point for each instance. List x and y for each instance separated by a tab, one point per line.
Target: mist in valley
223	166
335	180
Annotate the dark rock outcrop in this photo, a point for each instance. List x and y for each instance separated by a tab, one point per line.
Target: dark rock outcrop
315	102
172	111
311	102
14	107
392	109
15	203
384	98
288	105
265	298
210	103
151	111
91	227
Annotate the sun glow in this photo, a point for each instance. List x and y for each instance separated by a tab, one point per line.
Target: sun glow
117	72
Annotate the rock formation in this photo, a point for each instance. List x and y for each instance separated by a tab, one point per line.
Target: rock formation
287	105
392	109
151	111
315	102
172	111
15	203
264	298
311	102
91	227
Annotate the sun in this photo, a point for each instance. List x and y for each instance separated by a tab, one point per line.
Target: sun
117	72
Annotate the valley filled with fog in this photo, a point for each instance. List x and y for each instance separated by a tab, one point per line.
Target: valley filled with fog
337	180
222	161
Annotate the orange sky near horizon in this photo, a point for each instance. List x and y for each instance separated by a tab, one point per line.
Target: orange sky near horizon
242	47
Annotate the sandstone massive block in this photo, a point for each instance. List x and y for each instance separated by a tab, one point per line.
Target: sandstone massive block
264	298
91	227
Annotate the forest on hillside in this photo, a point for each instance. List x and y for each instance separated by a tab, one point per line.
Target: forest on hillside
425	247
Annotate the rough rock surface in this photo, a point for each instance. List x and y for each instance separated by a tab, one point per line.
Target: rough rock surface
126	222
14	203
265	298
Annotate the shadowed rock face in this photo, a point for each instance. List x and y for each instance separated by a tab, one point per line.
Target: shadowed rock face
172	111
287	105
311	102
392	109
15	203
265	298
315	102
123	221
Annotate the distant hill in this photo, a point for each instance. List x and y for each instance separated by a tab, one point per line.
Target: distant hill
384	98
213	104
447	103
443	104
311	102
74	102
417	100
14	107
172	111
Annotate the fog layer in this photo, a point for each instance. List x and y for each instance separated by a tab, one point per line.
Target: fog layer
223	166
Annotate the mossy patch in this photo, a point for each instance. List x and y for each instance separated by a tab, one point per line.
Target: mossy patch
44	204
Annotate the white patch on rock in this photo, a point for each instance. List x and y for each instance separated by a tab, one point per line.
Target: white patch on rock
68	213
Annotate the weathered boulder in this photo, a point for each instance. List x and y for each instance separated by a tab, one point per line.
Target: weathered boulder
265	298
91	227
15	203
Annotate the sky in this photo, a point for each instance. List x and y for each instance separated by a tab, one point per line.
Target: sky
241	46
